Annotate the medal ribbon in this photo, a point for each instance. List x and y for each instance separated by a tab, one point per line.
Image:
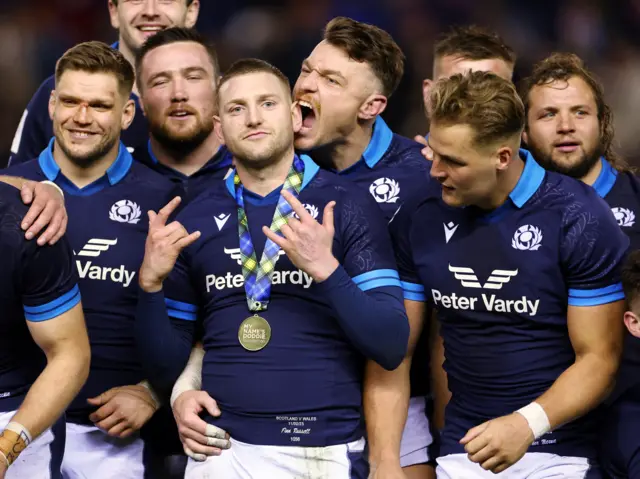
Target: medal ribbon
257	276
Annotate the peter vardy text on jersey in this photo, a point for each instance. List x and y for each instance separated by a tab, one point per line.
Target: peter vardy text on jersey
491	303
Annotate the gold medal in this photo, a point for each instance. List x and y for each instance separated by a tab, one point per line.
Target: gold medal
254	333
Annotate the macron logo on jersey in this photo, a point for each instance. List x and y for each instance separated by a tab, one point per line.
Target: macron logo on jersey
449	229
221	220
491	302
125	211
624	216
94	248
229	280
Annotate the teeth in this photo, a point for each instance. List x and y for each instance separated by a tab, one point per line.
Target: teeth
150	29
80	134
306	104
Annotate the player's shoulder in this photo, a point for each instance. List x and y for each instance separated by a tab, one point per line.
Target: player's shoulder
331	186
43	92
12	210
30	170
407	153
559	191
209	201
142	177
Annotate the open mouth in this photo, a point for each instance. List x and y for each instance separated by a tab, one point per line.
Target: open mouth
180	114
309	115
149	30
80	135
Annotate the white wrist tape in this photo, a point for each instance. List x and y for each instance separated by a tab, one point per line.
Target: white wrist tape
47	182
536	418
191	377
13	440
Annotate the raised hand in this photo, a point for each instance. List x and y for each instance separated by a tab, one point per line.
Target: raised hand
307	243
164	244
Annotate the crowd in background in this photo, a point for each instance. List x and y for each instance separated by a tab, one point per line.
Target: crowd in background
35	33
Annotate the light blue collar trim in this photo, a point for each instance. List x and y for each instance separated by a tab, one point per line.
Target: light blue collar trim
606	179
115	172
310	171
530	180
379	144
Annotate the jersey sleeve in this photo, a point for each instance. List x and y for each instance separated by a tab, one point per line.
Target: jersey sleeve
180	295
35	128
592	251
48	280
400	229
368	254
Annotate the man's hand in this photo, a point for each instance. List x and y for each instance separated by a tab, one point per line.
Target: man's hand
123	410
164	244
198	438
307	243
47	209
499	443
387	470
420	139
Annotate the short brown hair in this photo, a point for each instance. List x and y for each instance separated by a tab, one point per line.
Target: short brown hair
631	277
560	67
246	66
97	57
482	100
174	35
369	44
473	43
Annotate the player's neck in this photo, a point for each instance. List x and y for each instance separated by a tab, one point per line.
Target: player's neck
507	183
83	175
348	152
591	177
131	58
186	162
264	179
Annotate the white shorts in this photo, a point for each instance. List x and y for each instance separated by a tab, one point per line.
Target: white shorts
416	437
533	465
91	453
248	461
42	458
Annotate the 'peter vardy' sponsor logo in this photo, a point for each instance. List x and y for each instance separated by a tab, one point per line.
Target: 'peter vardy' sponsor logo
94	248
229	280
491	302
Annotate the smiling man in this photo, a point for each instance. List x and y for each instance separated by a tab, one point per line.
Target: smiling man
135	21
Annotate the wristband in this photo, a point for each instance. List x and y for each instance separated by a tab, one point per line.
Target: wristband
13	440
47	182
536	418
152	393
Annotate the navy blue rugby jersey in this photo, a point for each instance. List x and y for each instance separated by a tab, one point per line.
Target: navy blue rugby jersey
191	186
36	284
622	192
36	128
501	283
304	387
392	169
107	229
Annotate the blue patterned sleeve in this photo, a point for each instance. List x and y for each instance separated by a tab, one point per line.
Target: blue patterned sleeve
592	251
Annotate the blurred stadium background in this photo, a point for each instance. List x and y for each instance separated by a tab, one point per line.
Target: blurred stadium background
606	34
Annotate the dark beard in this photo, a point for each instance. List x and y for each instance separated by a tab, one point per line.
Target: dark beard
577	171
180	145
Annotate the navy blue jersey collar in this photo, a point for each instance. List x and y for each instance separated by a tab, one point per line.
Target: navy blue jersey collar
221	159
529	182
310	171
379	143
606	179
114	174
